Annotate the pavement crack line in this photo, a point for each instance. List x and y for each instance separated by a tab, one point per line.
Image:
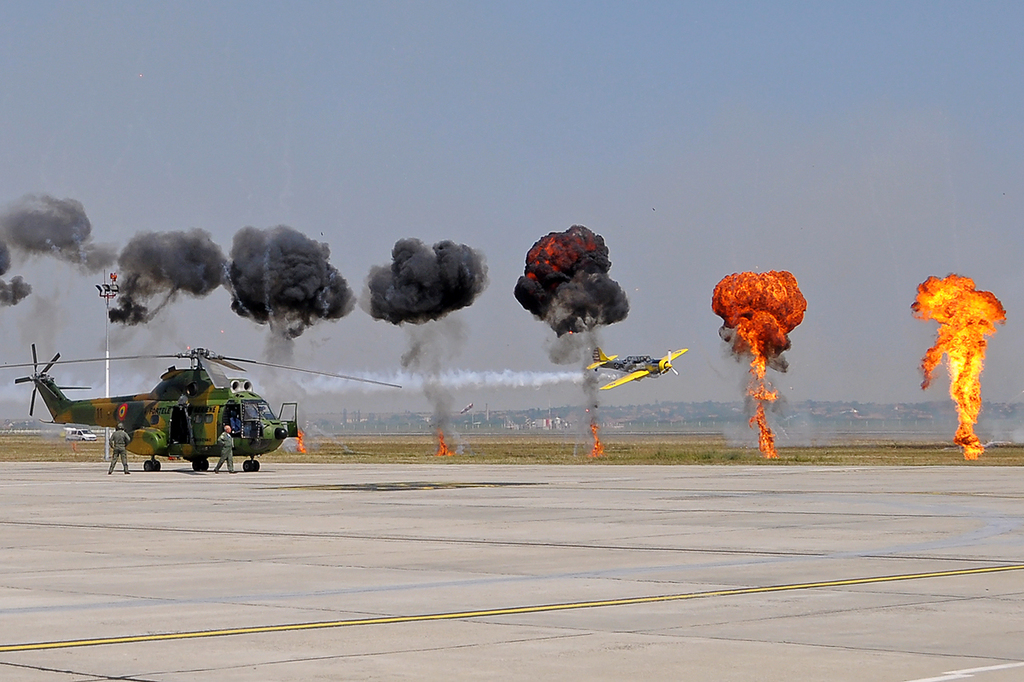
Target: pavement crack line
76	674
506	611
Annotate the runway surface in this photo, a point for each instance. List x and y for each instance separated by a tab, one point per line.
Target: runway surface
359	572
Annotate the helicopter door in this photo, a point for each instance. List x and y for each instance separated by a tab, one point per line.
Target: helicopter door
233	418
181	429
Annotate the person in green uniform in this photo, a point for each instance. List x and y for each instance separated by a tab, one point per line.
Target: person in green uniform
227	447
119	440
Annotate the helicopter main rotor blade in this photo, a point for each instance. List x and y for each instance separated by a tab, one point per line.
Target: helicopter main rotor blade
313	371
52	361
224	361
32	405
75	362
35	360
22	380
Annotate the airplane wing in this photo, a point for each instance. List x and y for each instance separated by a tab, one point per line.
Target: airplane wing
639	374
676	353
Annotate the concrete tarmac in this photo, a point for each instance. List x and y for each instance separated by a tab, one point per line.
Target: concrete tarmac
358	572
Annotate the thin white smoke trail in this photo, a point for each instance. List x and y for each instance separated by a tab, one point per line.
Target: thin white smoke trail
455	379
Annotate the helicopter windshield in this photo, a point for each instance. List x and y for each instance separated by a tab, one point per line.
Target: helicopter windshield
258	409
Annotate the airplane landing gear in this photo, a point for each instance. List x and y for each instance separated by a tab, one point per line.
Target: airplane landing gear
152	464
200	465
251	464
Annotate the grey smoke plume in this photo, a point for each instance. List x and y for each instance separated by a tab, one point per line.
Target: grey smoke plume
5	258
282	278
40	225
425	283
164	264
432	347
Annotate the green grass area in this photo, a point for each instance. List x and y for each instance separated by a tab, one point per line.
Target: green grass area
560	449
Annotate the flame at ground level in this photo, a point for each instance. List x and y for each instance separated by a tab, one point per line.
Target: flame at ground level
598	450
442	448
300	442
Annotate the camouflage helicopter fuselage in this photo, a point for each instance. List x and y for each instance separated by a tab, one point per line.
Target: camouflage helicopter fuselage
181	417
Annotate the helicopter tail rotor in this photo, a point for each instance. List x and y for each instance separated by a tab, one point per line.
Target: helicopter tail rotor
36	375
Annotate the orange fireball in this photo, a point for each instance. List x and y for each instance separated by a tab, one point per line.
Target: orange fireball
965	316
758	312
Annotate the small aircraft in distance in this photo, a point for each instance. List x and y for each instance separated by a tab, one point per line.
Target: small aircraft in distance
635	367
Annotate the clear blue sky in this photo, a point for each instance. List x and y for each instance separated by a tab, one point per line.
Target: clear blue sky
862	146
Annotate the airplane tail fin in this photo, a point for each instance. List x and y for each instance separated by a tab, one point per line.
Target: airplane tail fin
600	358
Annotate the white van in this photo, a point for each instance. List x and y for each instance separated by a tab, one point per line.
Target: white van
79	434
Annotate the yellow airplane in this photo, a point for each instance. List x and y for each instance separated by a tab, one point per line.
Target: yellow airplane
634	366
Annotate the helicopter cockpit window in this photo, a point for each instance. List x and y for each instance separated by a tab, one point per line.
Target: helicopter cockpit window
265	412
209	418
250	410
257	410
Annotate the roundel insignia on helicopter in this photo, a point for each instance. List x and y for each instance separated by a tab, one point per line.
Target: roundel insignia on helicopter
122	410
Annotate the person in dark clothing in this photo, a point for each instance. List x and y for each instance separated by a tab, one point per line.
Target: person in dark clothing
119	440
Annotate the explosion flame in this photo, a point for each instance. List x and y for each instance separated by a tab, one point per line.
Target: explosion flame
759	310
300	442
566	282
965	316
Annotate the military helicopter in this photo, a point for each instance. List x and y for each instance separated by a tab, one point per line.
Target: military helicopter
183	415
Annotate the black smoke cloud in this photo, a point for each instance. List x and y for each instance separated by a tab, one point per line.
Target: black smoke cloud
566	282
164	264
40	225
281	277
425	283
12	292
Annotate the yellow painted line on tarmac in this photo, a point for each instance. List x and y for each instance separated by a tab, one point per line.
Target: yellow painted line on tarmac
515	610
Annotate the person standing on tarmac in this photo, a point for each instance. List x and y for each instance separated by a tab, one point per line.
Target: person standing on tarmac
227	447
119	440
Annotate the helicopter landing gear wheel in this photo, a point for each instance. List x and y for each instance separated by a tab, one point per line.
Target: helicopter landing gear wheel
151	465
247	465
200	464
255	465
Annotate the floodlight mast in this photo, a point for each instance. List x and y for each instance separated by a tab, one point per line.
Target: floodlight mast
108	291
